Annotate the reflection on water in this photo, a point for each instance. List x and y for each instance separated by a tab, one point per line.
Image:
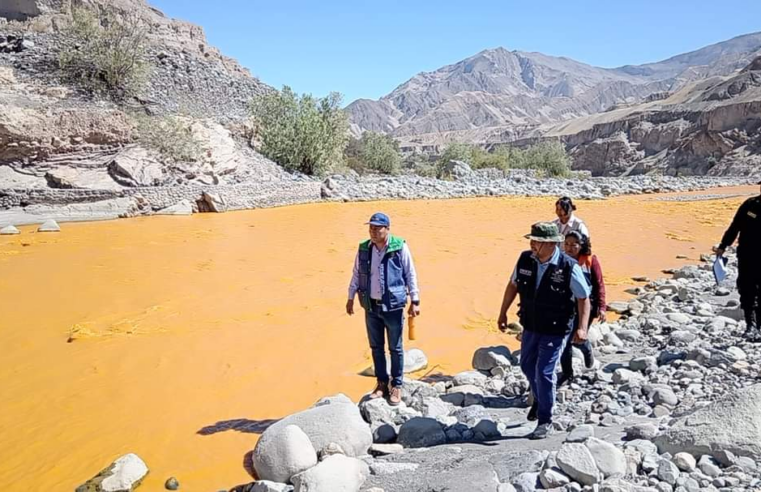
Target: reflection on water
188	335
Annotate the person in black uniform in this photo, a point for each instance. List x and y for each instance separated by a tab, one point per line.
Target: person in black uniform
747	223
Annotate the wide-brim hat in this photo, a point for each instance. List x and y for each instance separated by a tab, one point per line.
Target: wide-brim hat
545	232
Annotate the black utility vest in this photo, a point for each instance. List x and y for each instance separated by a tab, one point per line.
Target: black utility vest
550	309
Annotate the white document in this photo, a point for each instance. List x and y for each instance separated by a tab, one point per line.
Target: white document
720	269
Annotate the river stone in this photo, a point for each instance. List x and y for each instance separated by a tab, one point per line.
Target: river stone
665	396
414	360
618	307
215	202
435	407
552	478
337	398
49	226
667	471
421	432
580	433
488	358
340	423
269	486
123	475
732	423
643	363
337	473
685	462
283	453
645	431
526	482
623	376
183	207
472	378
578	463
9	230
609	459
378	449
171	484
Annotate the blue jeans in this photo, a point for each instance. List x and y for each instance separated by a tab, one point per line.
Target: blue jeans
379	324
539	358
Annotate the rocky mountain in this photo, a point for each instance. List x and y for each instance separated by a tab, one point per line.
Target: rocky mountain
513	92
708	127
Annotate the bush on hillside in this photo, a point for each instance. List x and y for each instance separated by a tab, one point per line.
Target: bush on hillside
105	52
374	152
169	136
301	133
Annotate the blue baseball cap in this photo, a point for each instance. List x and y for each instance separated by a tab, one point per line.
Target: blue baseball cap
379	219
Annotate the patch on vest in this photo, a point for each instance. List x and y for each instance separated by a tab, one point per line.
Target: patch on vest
751	214
523	271
557	277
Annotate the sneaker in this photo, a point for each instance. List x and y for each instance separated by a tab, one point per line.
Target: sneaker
589	359
533	411
395	396
563	379
381	389
541	432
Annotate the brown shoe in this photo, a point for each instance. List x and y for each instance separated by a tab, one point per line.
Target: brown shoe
381	389
395	396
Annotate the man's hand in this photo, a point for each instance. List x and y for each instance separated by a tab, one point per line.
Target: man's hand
602	317
581	335
414	310
718	250
350	307
502	322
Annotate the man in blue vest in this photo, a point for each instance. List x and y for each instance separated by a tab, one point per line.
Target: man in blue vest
552	289
383	276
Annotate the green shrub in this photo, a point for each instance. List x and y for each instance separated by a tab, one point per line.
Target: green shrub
105	52
169	136
380	153
301	133
550	158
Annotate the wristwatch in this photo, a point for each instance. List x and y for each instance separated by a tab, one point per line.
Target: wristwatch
416	303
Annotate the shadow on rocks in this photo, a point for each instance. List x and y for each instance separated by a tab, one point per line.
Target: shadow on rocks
240	425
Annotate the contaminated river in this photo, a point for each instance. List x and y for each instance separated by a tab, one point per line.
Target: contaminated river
179	338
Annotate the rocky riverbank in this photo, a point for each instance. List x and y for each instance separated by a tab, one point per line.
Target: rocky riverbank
672	404
20	206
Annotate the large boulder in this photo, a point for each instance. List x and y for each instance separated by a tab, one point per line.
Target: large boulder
468	378
183	207
337	422
336	473
49	225
487	358
136	166
732	423
456	170
577	462
281	454
610	460
421	432
123	475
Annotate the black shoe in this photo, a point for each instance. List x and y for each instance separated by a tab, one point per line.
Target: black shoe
542	431
589	358
533	412
564	378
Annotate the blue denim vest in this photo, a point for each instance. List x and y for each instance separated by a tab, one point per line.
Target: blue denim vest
392	278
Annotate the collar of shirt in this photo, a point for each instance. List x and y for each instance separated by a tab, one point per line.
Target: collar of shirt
385	246
554	259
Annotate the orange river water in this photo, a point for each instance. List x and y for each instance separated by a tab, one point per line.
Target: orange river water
187	334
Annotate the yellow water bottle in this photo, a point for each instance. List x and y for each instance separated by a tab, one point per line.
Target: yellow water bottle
411	328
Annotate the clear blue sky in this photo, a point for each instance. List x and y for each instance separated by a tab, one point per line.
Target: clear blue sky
365	48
